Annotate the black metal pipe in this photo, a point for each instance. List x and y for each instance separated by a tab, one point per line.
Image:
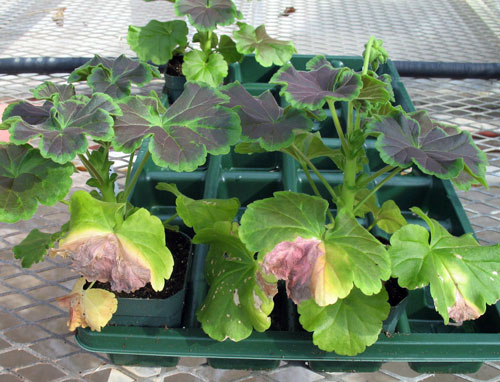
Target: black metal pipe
48	65
448	69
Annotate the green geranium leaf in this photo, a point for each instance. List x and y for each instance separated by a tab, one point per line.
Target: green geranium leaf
193	126
389	217
205	15
54	92
348	326
114	77
26	179
249	148
64	133
352	257
104	246
239	299
157	40
203	213
312	146
36	245
205	69
227	47
285	216
311	90
436	150
463	275
263	120
268	51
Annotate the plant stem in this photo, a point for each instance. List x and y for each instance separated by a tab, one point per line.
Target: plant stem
91	169
367	55
129	169
337	125
207	47
315	189
129	188
380	172
171	218
377	187
64	202
318	174
349	187
350	108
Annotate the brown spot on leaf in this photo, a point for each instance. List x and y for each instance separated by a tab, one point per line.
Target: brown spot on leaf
462	311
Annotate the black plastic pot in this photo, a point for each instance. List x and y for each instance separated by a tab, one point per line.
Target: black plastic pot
173	87
153	313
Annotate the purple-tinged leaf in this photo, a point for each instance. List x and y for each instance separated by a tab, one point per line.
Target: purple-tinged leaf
26	179
54	92
29	113
474	159
114	77
64	133
194	125
263	120
317	62
205	15
310	90
414	138
294	261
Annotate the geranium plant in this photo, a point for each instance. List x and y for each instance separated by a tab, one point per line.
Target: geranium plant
107	239
334	267
159	42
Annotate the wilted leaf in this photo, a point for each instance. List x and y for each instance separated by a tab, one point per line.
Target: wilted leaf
389	217
283	217
263	120
194	125
26	179
463	275
268	51
157	40
348	326
294	261
91	307
104	247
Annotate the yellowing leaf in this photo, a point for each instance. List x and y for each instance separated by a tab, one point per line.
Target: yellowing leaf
91	307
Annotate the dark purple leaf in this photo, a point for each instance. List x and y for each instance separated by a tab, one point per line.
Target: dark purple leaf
29	113
403	141
205	15
54	92
194	125
263	120
64	133
114	77
317	62
310	90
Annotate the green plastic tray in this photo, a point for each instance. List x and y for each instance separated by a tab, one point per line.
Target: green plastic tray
421	338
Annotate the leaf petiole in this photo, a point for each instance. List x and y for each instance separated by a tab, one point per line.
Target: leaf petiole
377	187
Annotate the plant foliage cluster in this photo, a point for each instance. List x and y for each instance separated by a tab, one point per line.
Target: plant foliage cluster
334	268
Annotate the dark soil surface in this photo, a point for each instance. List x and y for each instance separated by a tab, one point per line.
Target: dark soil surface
396	293
179	245
174	66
